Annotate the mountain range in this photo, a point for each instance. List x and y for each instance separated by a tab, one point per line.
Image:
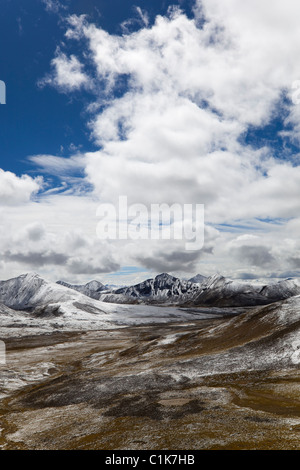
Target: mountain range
215	291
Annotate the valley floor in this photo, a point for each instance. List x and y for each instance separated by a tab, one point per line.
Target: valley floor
144	387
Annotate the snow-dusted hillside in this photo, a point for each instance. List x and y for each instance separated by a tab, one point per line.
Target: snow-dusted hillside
283	289
263	338
219	291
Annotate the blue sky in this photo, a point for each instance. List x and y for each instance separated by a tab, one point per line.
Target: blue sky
184	101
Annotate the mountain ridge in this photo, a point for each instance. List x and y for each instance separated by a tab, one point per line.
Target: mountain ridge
215	291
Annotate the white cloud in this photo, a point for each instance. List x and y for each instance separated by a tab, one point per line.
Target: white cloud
56	237
16	190
176	129
67	75
53	6
58	165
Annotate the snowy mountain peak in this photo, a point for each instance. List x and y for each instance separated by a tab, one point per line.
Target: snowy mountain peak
164	288
30	276
164	277
198	279
95	285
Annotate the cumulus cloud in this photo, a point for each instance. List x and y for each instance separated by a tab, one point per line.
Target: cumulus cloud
172	261
35	231
16	190
68	74
255	255
56	236
90	267
36	259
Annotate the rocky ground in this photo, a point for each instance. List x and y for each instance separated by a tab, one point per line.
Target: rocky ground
231	383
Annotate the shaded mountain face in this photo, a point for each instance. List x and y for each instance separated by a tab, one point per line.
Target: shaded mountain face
92	289
221	292
283	289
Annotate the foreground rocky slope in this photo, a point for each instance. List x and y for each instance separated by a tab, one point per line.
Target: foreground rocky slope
212	384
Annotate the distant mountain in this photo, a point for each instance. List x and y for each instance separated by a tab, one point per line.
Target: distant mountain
92	289
33	293
164	288
198	279
283	289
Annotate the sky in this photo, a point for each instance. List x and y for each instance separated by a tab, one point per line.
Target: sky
164	102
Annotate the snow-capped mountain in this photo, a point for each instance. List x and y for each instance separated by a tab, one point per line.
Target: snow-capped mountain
92	289
198	279
164	288
31	292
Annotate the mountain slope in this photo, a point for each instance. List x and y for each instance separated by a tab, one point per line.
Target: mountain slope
263	338
221	292
281	290
29	290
